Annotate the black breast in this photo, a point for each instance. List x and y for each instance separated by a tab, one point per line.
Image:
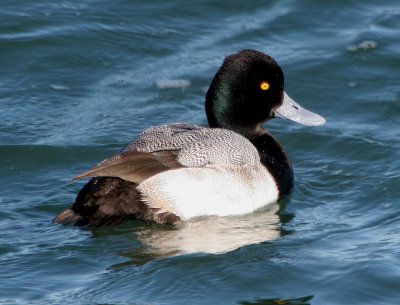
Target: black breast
276	161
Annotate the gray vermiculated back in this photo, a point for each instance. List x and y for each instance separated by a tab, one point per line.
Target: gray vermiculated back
197	145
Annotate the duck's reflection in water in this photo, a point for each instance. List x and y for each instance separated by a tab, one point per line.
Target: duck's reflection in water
211	234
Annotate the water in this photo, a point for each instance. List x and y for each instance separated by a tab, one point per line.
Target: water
80	80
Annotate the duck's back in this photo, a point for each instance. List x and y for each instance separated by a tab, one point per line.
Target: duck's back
197	146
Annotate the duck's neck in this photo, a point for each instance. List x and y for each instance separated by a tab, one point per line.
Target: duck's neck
274	158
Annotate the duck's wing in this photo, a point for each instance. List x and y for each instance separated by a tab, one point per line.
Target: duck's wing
173	146
134	166
141	181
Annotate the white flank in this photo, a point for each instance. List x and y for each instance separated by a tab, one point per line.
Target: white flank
214	190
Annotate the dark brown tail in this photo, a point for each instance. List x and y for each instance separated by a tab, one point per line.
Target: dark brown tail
109	201
67	217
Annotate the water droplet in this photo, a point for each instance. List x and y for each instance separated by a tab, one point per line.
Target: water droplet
172	83
59	87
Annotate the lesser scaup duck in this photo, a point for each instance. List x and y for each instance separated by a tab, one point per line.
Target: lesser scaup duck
178	171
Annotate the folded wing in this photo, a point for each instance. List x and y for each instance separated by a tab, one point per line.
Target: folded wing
175	146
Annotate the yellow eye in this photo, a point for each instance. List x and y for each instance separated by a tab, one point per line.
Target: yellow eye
264	86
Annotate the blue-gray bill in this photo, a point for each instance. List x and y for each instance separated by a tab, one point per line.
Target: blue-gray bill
293	111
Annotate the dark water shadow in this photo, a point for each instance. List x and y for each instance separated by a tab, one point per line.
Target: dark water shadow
297	301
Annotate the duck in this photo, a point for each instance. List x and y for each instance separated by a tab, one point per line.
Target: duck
175	172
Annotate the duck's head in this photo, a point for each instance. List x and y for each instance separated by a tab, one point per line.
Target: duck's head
248	90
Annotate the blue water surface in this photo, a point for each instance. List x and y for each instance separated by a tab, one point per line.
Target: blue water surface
79	80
